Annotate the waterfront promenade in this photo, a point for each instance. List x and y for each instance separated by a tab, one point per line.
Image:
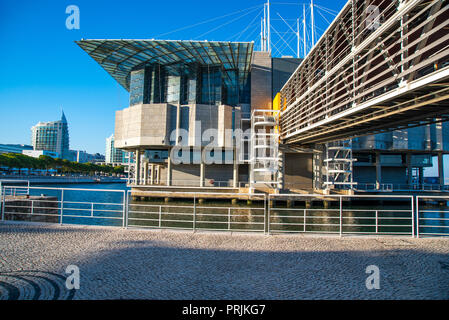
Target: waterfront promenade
142	264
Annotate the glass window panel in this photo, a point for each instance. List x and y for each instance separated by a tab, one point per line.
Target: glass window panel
136	87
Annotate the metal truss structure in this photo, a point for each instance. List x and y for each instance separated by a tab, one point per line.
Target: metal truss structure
339	164
264	149
382	65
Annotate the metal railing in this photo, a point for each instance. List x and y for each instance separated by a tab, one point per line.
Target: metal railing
61	205
341	214
17	191
432	215
195	215
267	214
209	183
386	187
390	187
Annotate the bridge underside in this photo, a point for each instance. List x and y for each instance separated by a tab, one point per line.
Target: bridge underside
427	105
381	66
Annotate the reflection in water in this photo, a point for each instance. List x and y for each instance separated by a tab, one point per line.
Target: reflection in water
82	207
211	215
434	218
356	218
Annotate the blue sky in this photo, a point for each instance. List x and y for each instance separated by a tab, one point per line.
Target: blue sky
43	70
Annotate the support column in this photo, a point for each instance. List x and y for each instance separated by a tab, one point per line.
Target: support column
169	170
281	167
178	123
421	176
202	169
158	174
235	173
441	169
152	174
145	173
378	171
318	168
138	165
202	174
409	169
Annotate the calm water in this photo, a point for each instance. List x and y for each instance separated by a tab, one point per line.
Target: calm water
216	215
80	205
101	186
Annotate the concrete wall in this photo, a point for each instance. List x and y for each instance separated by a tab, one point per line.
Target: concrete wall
219	172
283	68
186	172
298	172
143	125
154	125
190	174
268	76
203	117
364	174
261	81
243	173
224	126
394	175
367	174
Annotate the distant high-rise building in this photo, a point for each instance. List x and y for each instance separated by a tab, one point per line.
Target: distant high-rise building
52	136
113	155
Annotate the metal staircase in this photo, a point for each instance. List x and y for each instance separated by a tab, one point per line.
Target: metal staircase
339	165
264	149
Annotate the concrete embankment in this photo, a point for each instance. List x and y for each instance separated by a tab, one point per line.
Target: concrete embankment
31	208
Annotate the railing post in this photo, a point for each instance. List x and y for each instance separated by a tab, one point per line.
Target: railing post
160	216
125	211
194	212
92	209
377	221
413	216
229	219
62	207
417	217
32	206
304	222
3	196
268	215
341	216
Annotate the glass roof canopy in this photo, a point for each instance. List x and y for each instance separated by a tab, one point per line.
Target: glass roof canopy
120	57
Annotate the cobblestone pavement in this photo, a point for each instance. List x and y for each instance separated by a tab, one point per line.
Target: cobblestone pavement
143	264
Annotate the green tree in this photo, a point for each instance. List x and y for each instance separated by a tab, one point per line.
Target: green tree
20	161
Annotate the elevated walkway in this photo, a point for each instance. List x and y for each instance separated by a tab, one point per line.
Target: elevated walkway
371	73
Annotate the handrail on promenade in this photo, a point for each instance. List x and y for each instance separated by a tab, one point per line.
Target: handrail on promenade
431	222
2	181
194	223
64	205
341	210
406	216
391	187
